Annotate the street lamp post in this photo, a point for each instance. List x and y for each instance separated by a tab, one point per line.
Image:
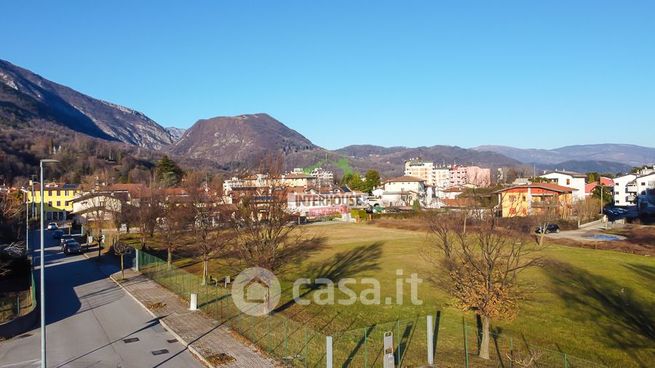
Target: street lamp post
27	225
42	268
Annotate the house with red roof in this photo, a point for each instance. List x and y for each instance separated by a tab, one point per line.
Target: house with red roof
535	199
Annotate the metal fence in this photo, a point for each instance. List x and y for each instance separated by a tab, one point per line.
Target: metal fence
455	341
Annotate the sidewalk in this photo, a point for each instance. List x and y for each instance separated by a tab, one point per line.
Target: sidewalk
202	335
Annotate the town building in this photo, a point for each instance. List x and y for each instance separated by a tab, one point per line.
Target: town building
628	187
568	179
621	195
58	199
403	191
605	182
535	199
421	169
448	176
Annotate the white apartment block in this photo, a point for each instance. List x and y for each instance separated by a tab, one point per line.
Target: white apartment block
621	195
628	187
569	179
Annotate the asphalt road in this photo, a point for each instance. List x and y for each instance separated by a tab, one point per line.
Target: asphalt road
90	321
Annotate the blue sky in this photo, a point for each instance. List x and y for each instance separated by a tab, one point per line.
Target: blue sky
523	73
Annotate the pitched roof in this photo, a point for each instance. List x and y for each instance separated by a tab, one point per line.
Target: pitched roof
547	186
405	178
564	172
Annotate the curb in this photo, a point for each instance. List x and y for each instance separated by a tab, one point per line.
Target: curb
166	327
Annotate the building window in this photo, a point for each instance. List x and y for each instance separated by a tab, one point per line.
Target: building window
58	203
66	193
568	181
58	193
49	192
50	203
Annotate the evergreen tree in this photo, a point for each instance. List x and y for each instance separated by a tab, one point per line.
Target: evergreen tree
168	173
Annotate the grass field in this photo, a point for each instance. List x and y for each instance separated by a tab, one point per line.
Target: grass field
593	304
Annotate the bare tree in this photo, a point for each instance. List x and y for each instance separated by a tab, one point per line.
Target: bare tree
175	220
211	235
482	262
545	212
265	232
11	214
147	210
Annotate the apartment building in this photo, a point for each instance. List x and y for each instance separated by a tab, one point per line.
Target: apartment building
448	176
421	169
574	180
57	198
628	187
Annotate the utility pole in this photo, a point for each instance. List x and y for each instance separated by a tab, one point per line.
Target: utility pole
42	268
27	224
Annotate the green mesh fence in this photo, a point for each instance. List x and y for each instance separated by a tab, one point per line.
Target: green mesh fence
456	340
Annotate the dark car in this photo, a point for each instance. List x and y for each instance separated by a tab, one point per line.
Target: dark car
57	234
550	228
72	246
63	239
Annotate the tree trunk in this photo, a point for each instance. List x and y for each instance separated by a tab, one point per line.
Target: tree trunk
170	258
204	271
484	343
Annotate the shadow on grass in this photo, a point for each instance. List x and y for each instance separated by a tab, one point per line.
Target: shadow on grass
644	271
341	265
627	321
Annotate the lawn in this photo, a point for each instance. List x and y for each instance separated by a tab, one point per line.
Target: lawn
592	304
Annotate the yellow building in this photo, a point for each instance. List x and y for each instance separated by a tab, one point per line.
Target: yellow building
535	199
58	199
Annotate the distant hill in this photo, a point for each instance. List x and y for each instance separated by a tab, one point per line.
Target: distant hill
242	139
396	156
626	154
27	99
588	166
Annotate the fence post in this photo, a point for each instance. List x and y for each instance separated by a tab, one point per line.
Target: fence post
305	346
137	263
466	346
365	348
286	338
194	302
566	361
430	341
328	351
399	339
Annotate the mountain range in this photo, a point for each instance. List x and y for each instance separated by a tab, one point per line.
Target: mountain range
28	99
240	142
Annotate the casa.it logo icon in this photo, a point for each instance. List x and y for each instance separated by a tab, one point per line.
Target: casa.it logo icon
256	291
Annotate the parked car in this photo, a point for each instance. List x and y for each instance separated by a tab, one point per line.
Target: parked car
63	240
53	226
57	234
550	228
72	246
